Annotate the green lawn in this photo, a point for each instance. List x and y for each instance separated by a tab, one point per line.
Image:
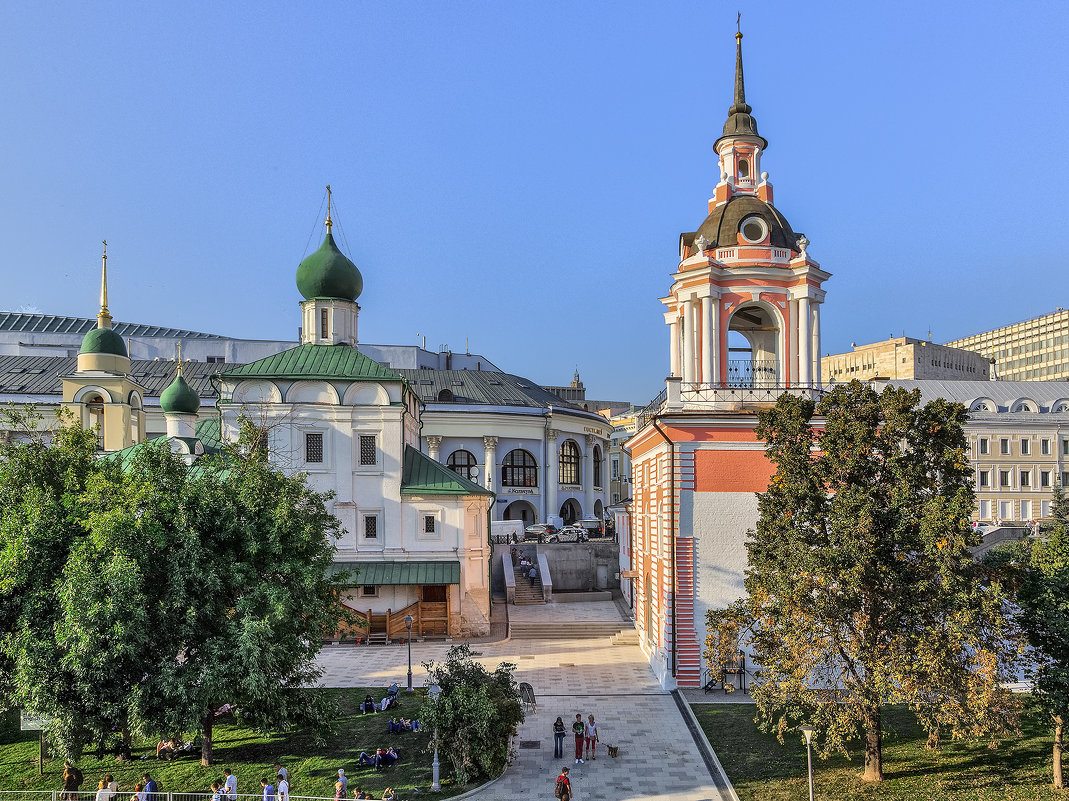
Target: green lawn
312	761
763	770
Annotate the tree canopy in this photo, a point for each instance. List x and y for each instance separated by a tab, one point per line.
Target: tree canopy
861	587
144	594
477	714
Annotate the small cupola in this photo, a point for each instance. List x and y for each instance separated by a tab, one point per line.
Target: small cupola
102	348
180	404
330	284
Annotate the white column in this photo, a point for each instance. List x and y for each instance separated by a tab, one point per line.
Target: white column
716	373
490	450
552	473
588	476
434	444
818	378
708	340
804	342
673	346
688	341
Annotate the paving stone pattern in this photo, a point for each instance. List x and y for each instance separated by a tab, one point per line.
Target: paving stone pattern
658	759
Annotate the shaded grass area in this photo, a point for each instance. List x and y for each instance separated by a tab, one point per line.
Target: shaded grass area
763	770
312	757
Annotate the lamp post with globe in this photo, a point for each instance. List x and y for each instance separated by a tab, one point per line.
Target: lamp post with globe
434	691
808	732
408	625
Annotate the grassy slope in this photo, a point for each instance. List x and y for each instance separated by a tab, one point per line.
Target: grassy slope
312	762
763	770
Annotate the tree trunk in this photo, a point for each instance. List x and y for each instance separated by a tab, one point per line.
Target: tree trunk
873	746
125	742
1058	726
206	740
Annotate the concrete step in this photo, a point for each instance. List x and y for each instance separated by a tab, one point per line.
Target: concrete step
525	630
626	637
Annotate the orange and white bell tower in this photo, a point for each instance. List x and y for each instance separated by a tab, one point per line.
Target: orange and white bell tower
744	306
744	315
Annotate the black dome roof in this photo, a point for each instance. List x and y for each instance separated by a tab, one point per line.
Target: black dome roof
722	224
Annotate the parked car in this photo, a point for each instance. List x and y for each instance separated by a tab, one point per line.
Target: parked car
539	531
592	527
567	534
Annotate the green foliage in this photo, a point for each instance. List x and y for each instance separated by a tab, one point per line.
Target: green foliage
1044	599
1059	505
143	598
861	587
476	715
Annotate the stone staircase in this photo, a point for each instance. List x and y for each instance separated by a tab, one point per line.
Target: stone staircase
570	630
529	592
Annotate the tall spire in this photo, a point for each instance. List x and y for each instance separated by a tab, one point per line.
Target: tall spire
179	358
739	122
104	317
740	86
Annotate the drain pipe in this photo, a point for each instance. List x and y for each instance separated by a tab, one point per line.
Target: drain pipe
672	532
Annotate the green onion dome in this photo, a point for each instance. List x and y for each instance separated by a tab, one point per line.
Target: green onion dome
179	398
103	340
328	273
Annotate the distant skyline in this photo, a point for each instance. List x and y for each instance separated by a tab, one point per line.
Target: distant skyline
515	175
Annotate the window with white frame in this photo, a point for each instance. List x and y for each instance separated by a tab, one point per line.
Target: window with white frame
1026	510
370	528
615	468
1026	447
1004	446
1044	479
985	479
1004	478
429	523
984	449
1026	479
1044	447
1065	447
313	447
369	591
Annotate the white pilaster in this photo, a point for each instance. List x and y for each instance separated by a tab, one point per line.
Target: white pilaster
708	339
688	341
716	339
552	474
673	345
816	344
588	476
434	445
804	342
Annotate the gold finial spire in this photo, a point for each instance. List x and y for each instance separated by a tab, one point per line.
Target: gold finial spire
104	317
329	222
738	22
179	358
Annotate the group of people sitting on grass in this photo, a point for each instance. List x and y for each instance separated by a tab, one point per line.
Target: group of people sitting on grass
380	760
398	725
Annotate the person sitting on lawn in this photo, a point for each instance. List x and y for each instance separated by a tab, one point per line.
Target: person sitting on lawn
359	793
389	795
368	705
394	725
409	725
370	759
387	758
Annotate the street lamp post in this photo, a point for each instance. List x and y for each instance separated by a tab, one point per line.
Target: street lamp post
408	625
808	732
434	691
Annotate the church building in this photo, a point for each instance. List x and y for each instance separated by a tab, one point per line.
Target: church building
743	314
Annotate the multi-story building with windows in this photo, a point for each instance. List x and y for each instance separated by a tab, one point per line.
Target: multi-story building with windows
905	358
1032	350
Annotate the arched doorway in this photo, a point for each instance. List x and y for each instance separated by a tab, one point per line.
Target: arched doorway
520	510
570	511
598	509
94	405
755	343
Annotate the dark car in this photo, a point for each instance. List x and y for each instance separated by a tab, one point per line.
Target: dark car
539	531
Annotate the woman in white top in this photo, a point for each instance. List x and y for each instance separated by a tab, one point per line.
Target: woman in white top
104	793
591	737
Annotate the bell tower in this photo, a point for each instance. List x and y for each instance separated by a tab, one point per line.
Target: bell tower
744	307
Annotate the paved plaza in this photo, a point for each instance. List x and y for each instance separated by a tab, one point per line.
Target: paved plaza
658	758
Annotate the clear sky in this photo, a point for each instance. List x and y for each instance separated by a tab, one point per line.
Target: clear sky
513	176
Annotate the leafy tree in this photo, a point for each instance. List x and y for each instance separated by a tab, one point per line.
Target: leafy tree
861	588
1059	505
476	715
1044	599
143	596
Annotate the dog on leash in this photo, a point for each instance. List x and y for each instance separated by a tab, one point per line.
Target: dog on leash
614	750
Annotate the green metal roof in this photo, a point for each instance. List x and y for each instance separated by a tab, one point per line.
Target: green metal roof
323	362
328	273
421	475
400	572
103	340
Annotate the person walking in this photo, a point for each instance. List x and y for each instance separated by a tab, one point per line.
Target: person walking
283	792
150	788
579	730
72	780
563	788
269	790
344	782
591	737
558	738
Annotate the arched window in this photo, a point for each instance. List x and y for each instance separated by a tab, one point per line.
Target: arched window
569	463
95	406
597	466
463	463
446	396
744	168
519	469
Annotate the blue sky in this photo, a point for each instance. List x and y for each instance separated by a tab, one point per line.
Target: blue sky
515	175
